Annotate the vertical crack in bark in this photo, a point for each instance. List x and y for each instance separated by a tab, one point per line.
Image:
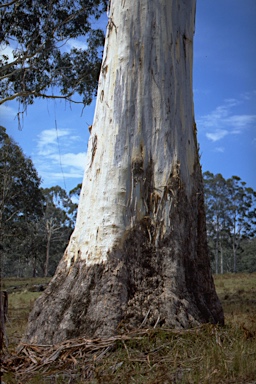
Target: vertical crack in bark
94	148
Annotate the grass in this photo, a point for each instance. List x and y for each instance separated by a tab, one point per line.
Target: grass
20	303
13	284
207	354
238	297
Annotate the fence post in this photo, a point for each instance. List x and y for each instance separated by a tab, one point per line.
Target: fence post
3	316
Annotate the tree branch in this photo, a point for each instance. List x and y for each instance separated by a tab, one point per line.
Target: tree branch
37	94
11	3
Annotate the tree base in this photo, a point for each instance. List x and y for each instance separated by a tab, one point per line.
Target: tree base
140	285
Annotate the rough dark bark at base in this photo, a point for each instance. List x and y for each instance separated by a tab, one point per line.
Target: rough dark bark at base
169	284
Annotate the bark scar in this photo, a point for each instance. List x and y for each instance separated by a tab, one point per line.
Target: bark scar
111	25
94	148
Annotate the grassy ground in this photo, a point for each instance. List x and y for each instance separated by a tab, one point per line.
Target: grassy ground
238	297
20	303
205	355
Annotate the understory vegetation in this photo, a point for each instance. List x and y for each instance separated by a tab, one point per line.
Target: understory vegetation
207	354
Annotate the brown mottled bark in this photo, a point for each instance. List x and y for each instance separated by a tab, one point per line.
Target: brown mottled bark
138	255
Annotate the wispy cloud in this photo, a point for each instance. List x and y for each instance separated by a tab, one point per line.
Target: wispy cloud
220	149
49	139
78	44
75	160
217	135
223	121
7	112
57	158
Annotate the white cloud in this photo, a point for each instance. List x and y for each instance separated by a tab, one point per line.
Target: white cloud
78	44
229	103
50	139
55	177
76	160
220	149
217	135
241	121
247	96
55	159
222	121
7	112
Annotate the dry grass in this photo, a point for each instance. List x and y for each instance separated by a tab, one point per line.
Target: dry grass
206	354
238	296
20	304
13	284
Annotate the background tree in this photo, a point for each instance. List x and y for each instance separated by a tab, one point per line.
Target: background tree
216	197
57	223
35	223
20	202
231	218
242	214
74	195
138	255
43	62
247	260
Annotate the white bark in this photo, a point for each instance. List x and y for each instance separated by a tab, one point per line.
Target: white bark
144	117
138	254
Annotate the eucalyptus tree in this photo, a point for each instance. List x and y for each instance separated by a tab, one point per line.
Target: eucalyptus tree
56	224
74	195
242	214
40	58
20	202
247	260
138	255
217	201
230	217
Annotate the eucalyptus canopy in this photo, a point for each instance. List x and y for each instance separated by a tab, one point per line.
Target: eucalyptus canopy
40	56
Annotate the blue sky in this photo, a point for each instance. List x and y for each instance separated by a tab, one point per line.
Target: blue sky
55	134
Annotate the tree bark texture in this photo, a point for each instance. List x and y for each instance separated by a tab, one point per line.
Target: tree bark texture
138	254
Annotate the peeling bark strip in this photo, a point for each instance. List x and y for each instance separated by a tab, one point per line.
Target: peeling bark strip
94	148
138	255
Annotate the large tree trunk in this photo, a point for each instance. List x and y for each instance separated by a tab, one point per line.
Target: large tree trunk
138	253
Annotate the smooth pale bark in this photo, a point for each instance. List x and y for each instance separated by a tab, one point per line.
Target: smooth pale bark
138	254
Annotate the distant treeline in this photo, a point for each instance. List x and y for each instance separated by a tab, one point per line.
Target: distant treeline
231	223
36	223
